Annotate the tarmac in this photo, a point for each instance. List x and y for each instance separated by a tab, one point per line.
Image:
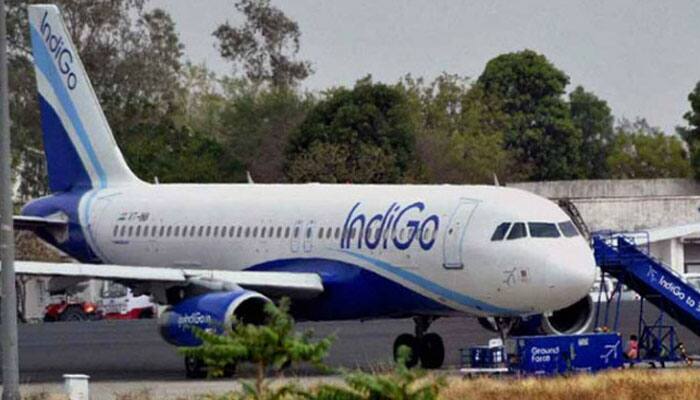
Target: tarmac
130	357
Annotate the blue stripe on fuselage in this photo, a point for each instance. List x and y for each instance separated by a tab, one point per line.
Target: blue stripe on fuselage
433	287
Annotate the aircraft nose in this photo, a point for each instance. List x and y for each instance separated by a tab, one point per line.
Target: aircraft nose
571	273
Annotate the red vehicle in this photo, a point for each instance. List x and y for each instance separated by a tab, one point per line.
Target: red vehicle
70	310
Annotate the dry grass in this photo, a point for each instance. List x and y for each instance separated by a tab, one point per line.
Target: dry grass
620	385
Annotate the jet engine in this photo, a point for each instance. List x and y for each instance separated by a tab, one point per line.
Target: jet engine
215	311
571	320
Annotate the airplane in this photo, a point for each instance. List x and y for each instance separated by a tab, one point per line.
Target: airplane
217	253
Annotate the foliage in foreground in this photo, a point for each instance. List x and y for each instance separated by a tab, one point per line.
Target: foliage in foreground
273	345
276	345
401	384
628	384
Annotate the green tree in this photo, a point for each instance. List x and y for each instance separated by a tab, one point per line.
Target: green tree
640	151
265	46
460	139
691	133
370	123
256	124
401	384
593	118
274	344
175	154
540	133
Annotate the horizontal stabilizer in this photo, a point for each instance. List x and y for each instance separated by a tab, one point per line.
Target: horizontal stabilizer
29	223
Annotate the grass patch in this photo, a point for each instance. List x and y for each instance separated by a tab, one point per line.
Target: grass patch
621	385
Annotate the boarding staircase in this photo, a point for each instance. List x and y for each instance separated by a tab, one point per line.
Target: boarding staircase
626	257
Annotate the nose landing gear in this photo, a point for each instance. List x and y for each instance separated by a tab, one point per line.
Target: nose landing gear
427	348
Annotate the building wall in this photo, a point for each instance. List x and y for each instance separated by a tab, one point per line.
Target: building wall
638	213
612	188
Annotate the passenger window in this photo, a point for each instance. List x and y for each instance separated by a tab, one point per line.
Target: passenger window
247	231
543	230
122	231
286	232
568	229
500	232
320	233
208	231
138	231
255	231
296	232
116	229
329	232
216	231
193	230
271	232
176	233
262	232
162	231
518	231
308	233
240	231
168	231
337	233
154	229
279	232
230	231
131	230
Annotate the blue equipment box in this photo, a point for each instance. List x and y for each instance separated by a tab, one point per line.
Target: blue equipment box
549	355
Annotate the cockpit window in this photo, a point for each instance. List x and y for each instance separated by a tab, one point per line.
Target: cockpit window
500	232
568	229
543	230
518	231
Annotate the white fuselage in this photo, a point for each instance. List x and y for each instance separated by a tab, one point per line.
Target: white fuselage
443	251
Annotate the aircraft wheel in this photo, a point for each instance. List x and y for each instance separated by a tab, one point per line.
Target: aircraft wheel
194	368
432	352
412	343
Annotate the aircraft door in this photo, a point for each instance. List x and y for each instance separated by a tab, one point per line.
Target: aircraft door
454	233
296	235
309	236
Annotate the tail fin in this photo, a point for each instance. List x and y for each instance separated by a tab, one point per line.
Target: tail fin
80	149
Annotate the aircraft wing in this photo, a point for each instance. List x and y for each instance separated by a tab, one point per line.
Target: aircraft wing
274	284
23	222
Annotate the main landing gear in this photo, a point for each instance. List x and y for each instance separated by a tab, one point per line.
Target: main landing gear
425	347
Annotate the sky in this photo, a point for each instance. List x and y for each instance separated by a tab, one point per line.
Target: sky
642	57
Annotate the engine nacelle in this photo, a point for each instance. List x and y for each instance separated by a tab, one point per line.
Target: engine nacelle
571	320
211	311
